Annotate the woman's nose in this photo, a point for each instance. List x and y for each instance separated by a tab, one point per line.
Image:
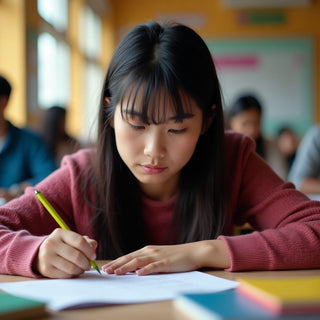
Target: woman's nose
155	146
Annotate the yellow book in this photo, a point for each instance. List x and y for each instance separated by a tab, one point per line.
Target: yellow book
284	295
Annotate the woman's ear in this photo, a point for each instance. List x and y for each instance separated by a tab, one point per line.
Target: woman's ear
209	119
107	101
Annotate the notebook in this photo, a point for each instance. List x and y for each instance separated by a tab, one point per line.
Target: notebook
14	307
284	295
93	289
227	305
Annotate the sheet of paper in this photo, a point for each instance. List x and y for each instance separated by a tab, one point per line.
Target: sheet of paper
94	289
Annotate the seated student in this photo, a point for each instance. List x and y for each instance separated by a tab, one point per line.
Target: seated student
24	157
305	170
54	133
245	116
166	184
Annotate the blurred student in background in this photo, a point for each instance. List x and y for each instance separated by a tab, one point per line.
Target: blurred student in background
24	157
54	134
288	143
305	170
245	116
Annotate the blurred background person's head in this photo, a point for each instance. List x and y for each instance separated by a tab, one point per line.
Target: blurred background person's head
5	91
245	116
55	135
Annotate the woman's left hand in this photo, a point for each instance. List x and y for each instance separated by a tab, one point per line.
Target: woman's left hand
172	258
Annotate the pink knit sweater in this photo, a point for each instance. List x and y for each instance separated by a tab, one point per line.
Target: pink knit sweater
287	223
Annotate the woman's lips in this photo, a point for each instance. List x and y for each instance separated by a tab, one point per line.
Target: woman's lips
152	169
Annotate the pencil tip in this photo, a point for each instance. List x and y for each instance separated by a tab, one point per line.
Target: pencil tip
36	191
96	267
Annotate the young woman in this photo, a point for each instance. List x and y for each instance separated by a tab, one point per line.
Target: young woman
165	185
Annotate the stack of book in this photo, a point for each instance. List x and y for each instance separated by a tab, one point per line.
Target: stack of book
259	299
285	295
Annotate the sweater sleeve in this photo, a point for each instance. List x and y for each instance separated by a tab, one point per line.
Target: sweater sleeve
25	223
287	223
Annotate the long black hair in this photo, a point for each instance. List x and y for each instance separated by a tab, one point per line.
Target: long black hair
155	60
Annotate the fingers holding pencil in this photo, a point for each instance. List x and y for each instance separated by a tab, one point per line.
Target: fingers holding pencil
50	249
65	254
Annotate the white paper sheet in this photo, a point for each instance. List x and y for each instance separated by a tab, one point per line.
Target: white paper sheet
93	289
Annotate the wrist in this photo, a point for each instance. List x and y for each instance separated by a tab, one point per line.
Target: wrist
215	254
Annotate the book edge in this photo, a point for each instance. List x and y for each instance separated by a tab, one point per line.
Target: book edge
194	310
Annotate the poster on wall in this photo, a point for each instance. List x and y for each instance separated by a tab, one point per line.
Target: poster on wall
279	72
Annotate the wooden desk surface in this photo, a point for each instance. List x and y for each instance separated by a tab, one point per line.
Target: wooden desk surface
153	310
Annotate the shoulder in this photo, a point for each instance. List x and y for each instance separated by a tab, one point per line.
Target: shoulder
83	158
314	130
233	137
237	142
313	134
241	156
310	143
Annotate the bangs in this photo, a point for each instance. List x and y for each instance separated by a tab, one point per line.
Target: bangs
153	97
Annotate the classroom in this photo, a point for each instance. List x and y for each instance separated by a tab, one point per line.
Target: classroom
61	58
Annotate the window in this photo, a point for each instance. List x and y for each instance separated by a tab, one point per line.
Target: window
54	61
92	82
53	71
54	12
90	31
90	39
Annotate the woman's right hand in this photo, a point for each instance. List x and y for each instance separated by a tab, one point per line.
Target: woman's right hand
64	254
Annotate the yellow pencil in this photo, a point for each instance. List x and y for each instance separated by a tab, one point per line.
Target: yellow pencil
58	219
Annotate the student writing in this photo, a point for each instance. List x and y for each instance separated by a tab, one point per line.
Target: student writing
166	184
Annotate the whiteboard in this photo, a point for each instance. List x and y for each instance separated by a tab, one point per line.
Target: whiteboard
279	72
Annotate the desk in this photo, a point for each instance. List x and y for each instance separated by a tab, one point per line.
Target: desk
153	310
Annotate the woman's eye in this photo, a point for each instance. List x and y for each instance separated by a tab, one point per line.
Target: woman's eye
136	127
177	130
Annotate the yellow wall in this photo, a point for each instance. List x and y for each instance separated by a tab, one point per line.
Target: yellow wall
220	21
74	123
12	56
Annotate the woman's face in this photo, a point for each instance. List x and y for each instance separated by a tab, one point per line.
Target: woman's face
247	122
156	153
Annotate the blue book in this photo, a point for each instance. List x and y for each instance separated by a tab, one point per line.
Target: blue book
228	305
